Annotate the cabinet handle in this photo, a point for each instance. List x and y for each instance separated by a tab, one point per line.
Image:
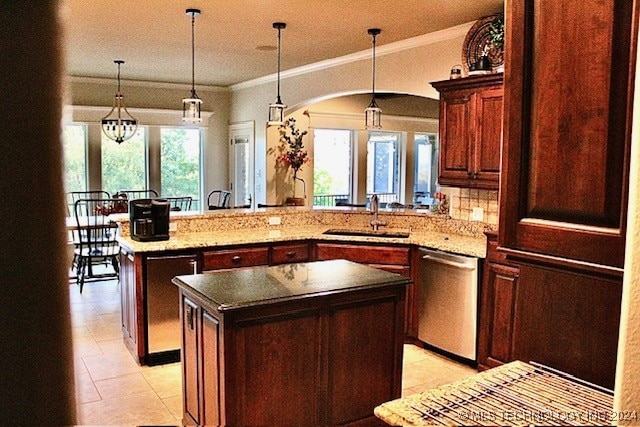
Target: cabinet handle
194	264
475	176
291	254
190	317
236	259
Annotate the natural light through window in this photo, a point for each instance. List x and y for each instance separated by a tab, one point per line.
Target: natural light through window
74	139
383	174
331	166
180	163
424	178
124	165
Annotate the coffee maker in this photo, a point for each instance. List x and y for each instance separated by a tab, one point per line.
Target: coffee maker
149	219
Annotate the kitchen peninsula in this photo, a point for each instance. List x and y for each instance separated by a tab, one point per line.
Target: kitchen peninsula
237	239
316	343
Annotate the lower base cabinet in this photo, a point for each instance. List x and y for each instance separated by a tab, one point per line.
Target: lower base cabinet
564	317
321	361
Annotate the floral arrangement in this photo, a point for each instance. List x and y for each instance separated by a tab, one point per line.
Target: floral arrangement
293	153
496	32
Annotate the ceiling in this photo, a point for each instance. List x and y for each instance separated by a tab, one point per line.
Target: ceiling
154	36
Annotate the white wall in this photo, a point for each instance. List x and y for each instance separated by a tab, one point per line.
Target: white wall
404	71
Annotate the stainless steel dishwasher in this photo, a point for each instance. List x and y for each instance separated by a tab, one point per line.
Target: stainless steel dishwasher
163	306
448	302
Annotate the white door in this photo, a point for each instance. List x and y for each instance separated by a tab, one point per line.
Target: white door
241	164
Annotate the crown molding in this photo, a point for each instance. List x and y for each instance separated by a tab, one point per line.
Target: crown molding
145	83
410	43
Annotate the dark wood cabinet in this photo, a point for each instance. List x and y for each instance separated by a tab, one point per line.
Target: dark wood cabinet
497	305
235	258
470	131
283	253
395	259
564	184
317	355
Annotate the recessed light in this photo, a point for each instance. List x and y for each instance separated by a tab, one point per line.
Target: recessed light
266	48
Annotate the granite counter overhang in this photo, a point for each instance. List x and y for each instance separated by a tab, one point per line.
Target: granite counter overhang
449	242
247	288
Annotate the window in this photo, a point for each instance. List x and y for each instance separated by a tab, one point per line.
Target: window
424	178
383	174
241	163
180	163
331	166
124	166
74	140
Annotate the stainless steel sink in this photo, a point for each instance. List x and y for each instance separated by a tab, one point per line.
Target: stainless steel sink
368	233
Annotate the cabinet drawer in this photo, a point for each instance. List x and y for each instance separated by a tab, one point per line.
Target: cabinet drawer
234	258
295	252
363	254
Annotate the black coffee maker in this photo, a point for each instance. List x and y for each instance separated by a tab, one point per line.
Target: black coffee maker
149	219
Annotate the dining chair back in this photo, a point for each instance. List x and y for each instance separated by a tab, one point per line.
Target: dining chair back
96	234
219	199
74	196
138	194
180	203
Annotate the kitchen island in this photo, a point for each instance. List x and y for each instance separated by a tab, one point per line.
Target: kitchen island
316	343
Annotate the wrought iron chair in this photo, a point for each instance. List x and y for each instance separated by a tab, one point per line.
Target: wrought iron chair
180	203
96	234
219	199
74	196
138	194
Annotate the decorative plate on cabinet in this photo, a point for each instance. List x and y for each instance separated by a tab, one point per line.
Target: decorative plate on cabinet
479	39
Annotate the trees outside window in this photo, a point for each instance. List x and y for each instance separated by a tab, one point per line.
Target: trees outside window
180	157
331	166
74	142
124	166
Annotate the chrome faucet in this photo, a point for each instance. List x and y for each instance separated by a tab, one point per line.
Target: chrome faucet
375	222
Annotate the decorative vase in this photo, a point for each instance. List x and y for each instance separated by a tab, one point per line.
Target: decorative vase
297	201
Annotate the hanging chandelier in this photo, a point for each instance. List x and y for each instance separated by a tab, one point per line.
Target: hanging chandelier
192	107
276	109
373	113
119	125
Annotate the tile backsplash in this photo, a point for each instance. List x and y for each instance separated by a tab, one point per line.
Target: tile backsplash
462	202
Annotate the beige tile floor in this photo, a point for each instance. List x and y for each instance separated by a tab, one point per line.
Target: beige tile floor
111	389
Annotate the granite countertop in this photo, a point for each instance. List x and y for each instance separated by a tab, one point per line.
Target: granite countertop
450	242
236	289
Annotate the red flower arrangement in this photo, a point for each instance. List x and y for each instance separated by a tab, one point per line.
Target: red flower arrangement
294	154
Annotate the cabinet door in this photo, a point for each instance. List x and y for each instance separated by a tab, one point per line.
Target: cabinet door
567	130
456	136
495	340
190	361
488	136
210	370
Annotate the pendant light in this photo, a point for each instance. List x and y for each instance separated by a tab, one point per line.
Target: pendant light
372	113
119	125
276	109
192	107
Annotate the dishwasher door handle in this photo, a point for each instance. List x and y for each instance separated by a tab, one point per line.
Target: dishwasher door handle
448	262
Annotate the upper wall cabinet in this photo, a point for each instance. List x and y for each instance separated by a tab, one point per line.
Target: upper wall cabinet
567	128
470	131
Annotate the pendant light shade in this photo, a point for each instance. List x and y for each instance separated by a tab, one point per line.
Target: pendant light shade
373	113
192	106
276	109
119	125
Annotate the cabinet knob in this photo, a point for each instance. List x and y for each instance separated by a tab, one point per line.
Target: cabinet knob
236	258
291	254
